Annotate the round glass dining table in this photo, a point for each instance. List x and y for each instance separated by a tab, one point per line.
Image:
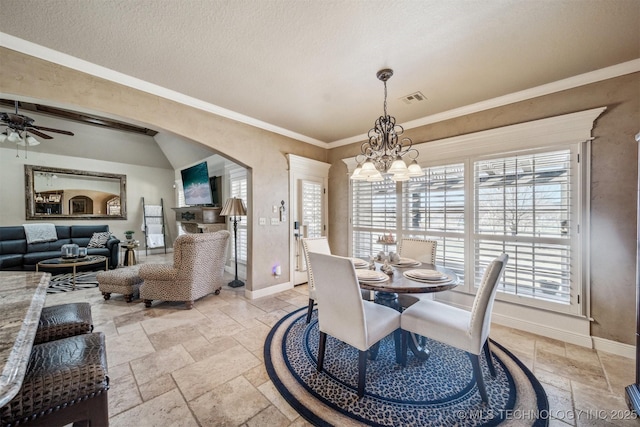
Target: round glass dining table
386	293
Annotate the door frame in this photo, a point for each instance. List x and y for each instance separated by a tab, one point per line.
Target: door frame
301	168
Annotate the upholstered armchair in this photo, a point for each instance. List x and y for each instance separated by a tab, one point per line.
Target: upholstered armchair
197	270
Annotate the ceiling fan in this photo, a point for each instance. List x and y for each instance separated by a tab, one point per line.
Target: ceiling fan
21	128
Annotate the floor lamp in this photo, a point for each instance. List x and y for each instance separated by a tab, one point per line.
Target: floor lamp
235	208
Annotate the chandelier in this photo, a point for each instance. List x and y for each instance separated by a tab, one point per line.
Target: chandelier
384	151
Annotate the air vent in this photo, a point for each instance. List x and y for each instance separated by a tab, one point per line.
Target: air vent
413	98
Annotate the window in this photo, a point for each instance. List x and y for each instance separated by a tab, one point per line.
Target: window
523	207
238	188
520	189
433	207
374	216
311	207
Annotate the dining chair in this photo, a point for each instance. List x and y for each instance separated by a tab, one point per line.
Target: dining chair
423	250
313	244
343	314
320	245
463	329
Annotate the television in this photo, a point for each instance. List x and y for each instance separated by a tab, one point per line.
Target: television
195	183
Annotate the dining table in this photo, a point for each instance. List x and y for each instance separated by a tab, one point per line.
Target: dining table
406	278
22	297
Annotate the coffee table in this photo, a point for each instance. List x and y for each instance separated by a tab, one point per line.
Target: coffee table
73	263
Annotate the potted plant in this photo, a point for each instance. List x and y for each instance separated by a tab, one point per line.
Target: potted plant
129	234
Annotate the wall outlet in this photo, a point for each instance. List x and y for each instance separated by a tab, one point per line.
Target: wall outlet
263	221
275	221
274	209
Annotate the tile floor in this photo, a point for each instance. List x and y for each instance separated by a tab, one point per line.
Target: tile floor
204	367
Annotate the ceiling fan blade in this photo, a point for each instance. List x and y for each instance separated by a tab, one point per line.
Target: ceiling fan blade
65	132
38	133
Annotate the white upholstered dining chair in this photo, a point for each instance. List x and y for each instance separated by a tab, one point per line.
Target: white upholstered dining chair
463	329
423	250
319	245
343	314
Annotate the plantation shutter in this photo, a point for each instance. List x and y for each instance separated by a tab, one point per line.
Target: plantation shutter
311	199
238	188
523	206
373	216
433	207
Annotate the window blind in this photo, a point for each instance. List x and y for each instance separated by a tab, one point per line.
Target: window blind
433	207
238	188
311	198
523	207
373	215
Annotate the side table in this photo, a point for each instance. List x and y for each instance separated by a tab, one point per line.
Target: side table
129	257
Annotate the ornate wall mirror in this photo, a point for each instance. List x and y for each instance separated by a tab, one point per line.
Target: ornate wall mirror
55	193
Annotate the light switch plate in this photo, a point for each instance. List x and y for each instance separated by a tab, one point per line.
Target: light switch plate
263	221
275	221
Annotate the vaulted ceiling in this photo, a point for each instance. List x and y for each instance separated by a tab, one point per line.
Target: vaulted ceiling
307	68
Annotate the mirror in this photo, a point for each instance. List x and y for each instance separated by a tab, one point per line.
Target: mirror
55	193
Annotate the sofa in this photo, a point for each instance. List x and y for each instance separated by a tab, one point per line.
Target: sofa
17	254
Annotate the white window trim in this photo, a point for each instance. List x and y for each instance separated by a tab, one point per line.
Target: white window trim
558	131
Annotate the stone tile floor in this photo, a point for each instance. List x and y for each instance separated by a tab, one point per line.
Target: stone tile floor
204	367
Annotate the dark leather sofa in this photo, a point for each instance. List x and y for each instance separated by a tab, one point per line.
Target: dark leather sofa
16	254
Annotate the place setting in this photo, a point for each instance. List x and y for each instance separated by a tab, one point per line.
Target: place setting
359	263
405	262
371	276
427	276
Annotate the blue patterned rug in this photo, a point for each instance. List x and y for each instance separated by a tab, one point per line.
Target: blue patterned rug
438	392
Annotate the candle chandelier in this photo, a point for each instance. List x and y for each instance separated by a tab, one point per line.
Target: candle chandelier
385	148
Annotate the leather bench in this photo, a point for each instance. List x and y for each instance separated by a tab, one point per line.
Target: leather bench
66	382
64	320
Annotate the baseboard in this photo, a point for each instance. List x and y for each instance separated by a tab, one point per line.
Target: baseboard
614	347
543	330
270	290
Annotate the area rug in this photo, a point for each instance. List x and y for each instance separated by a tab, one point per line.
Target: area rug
64	282
441	391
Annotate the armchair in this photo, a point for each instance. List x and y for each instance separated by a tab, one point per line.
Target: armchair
197	270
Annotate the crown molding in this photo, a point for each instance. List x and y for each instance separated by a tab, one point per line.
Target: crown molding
618	70
32	49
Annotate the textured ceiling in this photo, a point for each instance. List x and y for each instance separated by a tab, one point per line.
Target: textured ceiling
309	66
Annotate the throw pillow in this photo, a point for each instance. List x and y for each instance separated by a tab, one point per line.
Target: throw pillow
99	240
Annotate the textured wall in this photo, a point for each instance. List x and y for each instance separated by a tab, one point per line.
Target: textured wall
614	173
262	152
613	184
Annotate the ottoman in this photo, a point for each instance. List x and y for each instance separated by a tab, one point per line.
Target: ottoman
123	281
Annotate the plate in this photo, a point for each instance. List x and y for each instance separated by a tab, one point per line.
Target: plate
406	262
358	263
371	276
426	275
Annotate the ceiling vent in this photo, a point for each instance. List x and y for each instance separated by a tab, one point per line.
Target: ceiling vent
413	98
